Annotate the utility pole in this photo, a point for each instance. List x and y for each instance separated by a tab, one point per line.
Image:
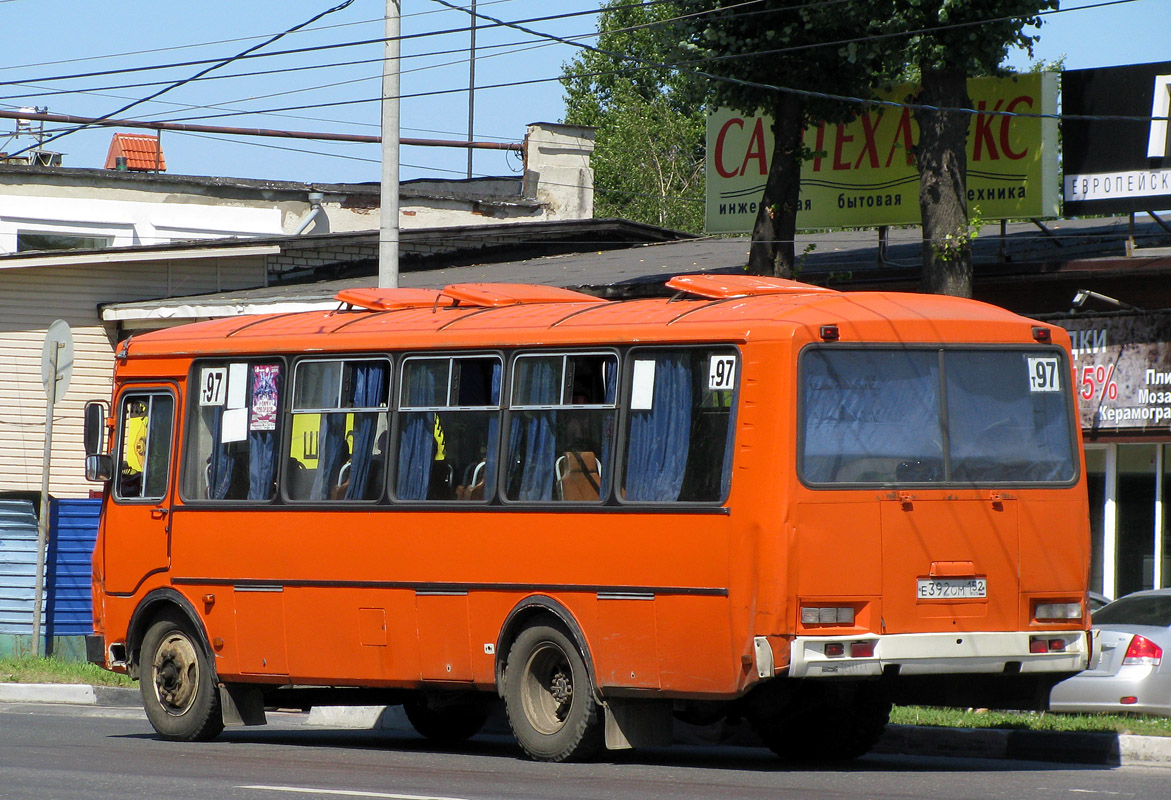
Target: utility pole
472	88
388	229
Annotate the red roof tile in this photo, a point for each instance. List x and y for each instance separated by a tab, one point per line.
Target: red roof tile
142	152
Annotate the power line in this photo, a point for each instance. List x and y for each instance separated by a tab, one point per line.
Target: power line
340	6
219	41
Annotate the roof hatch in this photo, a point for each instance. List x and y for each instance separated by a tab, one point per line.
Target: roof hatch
494	295
391	299
722	287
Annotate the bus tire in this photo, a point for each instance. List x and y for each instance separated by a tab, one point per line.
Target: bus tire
178	684
827	724
549	697
446	723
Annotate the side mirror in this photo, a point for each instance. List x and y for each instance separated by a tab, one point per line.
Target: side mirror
99	467
96	413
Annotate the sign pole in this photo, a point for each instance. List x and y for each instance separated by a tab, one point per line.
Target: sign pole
56	370
43	516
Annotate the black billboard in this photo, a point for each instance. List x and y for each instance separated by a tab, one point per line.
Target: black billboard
1117	162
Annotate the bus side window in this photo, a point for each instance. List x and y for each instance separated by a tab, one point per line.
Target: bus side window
338	430
679	437
232	443
145	423
562	425
449	423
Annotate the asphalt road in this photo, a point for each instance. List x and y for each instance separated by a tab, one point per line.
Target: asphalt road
73	752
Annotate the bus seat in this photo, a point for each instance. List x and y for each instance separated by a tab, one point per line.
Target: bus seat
578	476
473	487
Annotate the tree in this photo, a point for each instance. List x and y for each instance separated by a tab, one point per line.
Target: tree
950	41
648	157
782	43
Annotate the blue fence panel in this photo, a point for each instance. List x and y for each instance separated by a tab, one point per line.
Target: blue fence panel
18	566
68	581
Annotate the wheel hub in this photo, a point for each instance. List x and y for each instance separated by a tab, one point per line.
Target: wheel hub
176	674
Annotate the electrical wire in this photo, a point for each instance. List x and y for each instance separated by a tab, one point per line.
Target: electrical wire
339	7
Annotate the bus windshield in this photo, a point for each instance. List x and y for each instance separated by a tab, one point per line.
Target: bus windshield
962	416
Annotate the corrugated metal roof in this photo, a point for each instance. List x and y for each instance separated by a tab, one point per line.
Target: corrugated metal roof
141	151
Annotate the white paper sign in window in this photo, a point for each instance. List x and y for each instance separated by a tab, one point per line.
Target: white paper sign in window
642	390
213	386
721	373
1043	375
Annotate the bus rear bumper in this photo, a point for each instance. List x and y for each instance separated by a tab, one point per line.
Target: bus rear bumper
980	652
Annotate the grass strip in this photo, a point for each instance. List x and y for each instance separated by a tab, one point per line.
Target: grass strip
1031	720
29	669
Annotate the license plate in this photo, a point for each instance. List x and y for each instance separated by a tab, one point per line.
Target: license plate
949	588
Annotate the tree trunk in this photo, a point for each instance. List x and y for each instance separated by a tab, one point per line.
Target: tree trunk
775	229
942	158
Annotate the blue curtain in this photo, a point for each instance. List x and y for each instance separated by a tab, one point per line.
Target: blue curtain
533	431
330	440
656	453
369	389
416	447
610	375
492	453
219	472
261	464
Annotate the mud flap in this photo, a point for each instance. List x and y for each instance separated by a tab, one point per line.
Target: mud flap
242	705
638	723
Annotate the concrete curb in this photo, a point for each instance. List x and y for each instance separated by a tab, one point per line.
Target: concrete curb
68	693
1101	749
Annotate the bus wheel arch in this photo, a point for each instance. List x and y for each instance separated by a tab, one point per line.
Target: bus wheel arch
539	609
158	602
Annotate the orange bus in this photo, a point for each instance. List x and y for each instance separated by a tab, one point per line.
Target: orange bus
756	499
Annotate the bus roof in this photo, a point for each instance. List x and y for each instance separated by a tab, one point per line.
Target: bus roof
707	308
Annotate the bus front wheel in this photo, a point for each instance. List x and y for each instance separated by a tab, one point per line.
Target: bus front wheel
549	697
177	682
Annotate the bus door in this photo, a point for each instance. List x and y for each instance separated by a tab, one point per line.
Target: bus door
949	563
137	526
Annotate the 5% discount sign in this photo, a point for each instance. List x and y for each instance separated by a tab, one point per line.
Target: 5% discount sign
1097	380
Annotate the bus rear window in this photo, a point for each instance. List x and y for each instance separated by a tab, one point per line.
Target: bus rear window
962	416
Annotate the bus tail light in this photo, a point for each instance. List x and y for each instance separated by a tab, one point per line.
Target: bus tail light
831	615
835	649
1058	611
1143	651
862	650
1042	644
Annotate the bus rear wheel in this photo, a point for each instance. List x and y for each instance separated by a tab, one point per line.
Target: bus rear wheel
826	722
448	722
178	684
549	697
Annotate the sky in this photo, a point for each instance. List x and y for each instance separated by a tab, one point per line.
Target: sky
335	87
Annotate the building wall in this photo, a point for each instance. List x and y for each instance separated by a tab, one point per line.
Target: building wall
30	300
555	183
124	222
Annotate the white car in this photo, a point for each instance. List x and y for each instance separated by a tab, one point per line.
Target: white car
1133	673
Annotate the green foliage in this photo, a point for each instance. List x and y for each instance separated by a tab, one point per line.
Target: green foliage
648	157
969	35
787	43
